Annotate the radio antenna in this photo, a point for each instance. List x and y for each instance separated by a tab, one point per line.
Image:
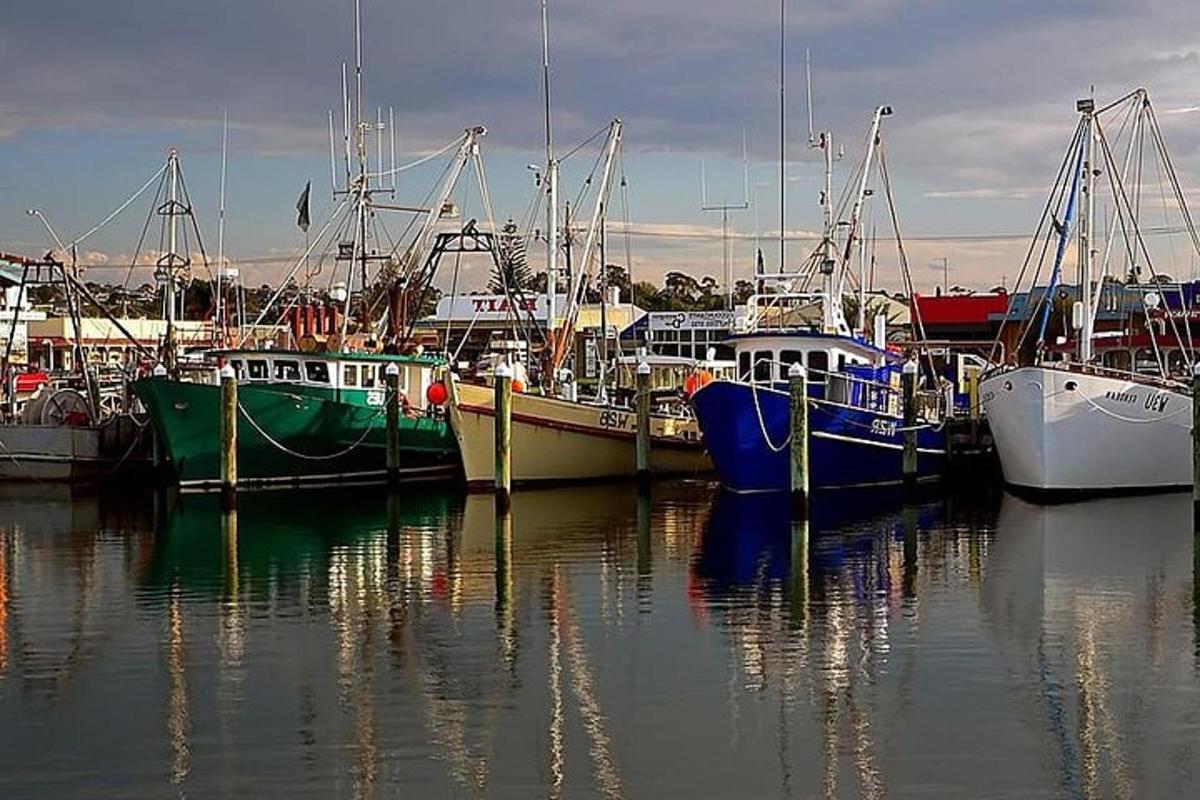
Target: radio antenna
808	88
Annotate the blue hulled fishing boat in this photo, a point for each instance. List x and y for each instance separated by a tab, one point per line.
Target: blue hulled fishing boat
856	416
856	426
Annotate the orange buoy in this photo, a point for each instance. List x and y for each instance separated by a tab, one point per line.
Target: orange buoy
696	381
518	385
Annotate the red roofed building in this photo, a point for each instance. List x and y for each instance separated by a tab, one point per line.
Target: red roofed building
960	316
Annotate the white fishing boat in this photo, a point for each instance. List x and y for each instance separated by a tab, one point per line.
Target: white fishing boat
1072	424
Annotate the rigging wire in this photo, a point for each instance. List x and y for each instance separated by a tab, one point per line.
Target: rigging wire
1052	201
157	175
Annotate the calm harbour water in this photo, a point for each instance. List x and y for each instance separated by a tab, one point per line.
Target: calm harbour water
344	644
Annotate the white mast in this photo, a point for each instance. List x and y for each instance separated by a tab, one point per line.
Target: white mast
834	318
861	323
551	183
171	258
1087	253
782	136
831	305
220	312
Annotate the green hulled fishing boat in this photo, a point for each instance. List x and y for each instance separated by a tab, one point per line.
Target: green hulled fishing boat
302	418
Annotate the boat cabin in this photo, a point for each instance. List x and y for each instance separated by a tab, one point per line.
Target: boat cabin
840	369
766	357
347	377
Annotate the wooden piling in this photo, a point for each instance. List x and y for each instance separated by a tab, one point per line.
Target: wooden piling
1196	442
642	472
908	381
229	420
798	432
503	428
392	380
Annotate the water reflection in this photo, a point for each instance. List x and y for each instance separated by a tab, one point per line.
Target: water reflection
597	641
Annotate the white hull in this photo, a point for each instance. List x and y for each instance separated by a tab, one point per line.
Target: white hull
558	440
1066	430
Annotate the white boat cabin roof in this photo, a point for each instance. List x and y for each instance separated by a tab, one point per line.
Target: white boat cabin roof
766	356
331	370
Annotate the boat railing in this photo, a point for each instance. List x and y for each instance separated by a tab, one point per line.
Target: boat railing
854	391
1157	381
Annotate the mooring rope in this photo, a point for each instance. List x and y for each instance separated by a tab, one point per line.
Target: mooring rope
306	456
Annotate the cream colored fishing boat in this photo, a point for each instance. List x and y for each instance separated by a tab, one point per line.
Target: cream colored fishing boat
563	440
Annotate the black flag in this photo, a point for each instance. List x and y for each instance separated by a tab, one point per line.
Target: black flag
302	208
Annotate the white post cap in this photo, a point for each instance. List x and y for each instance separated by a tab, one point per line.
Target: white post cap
392	370
910	367
227	371
503	370
159	370
643	368
796	370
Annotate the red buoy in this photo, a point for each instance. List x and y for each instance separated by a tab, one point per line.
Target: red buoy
436	394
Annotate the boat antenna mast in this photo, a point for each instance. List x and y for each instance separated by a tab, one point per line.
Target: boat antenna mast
358	188
725	207
551	189
832	319
1087	253
171	268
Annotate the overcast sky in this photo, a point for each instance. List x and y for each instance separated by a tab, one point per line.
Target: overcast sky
93	94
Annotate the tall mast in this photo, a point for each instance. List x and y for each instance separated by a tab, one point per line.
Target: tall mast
358	90
551	184
172	252
220	311
1087	253
832	298
782	135
830	307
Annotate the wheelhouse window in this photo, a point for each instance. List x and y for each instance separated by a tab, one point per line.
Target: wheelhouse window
316	371
762	365
818	365
743	365
287	371
257	369
350	375
368	376
239	369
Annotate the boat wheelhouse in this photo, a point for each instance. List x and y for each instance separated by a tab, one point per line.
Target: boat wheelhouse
353	378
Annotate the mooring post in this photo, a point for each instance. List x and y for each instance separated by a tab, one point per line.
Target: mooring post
392	380
908	382
798	432
503	426
1196	444
973	401
643	424
229	420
